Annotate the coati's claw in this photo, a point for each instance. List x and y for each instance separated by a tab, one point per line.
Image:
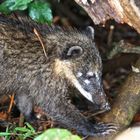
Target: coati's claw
106	128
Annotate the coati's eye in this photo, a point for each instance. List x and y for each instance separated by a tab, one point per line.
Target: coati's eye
74	51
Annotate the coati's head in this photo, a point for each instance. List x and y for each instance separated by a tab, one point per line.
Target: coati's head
78	61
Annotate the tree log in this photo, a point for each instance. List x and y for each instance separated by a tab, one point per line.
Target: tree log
126	104
122	11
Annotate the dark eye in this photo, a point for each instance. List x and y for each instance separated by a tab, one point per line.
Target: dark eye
74	51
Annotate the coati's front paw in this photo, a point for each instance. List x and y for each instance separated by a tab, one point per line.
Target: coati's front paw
98	129
105	128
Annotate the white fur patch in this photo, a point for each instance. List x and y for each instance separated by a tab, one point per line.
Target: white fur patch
82	91
79	74
85	2
87	81
64	67
90	73
97	76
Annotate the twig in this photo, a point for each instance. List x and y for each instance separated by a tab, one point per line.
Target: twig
11	103
21	120
41	42
110	35
123	47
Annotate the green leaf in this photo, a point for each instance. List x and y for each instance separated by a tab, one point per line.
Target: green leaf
30	127
11	5
28	135
74	137
4	134
57	134
4	7
40	12
21	129
19	4
7	137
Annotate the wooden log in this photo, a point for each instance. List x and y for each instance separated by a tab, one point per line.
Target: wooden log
126	103
122	11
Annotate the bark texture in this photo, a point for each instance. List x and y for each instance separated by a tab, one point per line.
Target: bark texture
126	104
122	11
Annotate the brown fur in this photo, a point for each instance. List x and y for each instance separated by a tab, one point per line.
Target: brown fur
42	81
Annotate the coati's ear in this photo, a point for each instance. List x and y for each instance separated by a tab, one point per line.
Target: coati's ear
72	52
90	32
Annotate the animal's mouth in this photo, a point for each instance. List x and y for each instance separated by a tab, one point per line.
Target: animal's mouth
79	87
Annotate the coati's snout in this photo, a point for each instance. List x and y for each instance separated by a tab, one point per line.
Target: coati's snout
92	85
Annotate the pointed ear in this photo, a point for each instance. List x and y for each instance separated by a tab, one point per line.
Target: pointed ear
90	32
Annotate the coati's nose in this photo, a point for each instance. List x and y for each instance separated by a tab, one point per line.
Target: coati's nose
101	108
105	106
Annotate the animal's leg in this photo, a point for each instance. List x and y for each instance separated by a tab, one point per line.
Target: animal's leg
25	106
62	111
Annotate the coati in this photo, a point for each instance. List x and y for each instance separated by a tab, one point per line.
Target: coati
72	61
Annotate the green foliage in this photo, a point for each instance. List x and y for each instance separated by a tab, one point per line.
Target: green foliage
4	7
22	133
19	4
11	5
57	134
38	10
19	132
